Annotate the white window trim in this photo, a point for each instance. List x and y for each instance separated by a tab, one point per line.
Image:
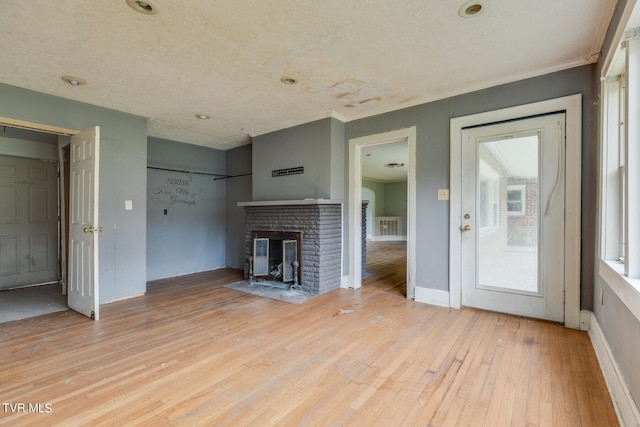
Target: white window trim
622	279
625	288
523	199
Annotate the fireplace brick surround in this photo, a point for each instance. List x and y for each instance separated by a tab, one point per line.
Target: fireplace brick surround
319	221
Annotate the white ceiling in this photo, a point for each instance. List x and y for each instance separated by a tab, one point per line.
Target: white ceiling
225	58
375	158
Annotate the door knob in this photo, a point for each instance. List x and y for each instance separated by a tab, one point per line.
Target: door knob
466	228
99	229
88	229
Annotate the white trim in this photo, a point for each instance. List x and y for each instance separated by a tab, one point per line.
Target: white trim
388	238
623	402
590	59
573	107
344	281
585	320
128	297
473	88
612	55
627	289
294	123
38	127
432	296
355	203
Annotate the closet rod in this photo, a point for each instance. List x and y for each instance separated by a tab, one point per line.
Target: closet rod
216	175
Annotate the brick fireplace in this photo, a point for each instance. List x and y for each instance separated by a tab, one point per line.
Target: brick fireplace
319	223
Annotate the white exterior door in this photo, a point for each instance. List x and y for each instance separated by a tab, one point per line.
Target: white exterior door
83	223
512	208
28	222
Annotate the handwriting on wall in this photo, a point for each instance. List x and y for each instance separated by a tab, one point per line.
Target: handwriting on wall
176	190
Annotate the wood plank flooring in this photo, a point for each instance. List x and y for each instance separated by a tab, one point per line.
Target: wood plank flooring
192	352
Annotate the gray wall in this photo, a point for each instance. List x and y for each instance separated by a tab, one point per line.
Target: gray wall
15	145
395	202
432	162
391	200
190	237
378	189
317	146
123	157
620	327
238	190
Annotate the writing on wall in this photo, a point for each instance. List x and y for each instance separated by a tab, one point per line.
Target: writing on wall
176	191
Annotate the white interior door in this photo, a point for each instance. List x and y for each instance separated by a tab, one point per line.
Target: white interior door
28	222
83	223
512	206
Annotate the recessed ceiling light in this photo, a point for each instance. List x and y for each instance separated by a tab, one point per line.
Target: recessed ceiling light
203	116
472	8
288	80
146	7
74	81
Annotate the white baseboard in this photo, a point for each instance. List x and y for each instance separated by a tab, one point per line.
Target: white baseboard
432	296
126	298
585	320
344	282
389	238
626	409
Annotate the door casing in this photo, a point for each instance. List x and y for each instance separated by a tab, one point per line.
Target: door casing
572	106
356	145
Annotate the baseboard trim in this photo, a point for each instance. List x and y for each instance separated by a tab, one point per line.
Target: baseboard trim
344	282
432	296
126	298
626	409
389	238
585	320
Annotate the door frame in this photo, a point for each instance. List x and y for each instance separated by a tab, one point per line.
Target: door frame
356	145
572	106
63	184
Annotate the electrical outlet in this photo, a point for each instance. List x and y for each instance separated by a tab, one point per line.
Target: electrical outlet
443	194
128	205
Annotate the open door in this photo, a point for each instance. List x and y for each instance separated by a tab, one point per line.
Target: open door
83	223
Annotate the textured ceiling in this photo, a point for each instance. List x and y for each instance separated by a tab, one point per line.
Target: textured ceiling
225	58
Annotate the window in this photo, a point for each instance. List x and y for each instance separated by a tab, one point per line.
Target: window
621	160
516	202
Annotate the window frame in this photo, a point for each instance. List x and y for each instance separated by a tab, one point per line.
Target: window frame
522	200
619	230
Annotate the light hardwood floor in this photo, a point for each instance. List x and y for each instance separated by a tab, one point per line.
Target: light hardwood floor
192	352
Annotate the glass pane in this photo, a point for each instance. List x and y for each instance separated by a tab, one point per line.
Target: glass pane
260	257
290	250
507	208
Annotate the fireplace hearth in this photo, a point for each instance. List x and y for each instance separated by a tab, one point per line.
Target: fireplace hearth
316	228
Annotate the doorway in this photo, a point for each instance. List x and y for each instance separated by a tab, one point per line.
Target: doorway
559	168
513	217
79	204
358	148
30	269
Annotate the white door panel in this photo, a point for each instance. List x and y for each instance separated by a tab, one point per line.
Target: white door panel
513	217
28	222
83	224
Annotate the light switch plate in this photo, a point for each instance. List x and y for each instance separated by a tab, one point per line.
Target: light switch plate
128	205
443	194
